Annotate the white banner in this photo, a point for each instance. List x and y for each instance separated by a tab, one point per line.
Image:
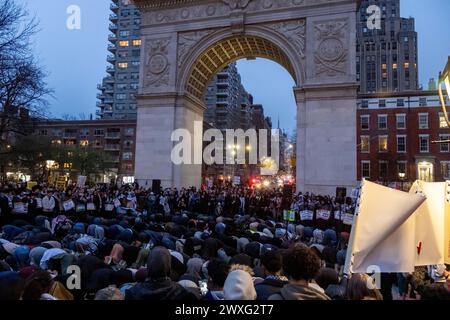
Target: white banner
323	214
306	215
383	234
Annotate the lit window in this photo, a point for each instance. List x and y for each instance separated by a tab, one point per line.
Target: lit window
365	144
442	122
406	65
84	143
424	143
137	42
383	143
394	66
67	165
122	65
124	43
56	141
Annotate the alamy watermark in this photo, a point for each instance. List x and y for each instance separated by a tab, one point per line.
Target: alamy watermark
237	147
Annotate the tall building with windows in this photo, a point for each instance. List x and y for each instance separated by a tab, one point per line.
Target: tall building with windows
117	90
387	57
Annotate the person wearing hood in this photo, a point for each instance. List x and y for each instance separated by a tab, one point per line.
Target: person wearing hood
239	286
301	265
274	281
158	285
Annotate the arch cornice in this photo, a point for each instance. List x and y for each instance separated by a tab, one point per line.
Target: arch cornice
269	32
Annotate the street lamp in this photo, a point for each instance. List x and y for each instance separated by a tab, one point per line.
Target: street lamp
402	176
444	78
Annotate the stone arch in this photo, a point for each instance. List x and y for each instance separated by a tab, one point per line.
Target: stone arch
218	49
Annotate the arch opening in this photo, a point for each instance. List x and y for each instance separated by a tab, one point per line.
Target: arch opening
229	50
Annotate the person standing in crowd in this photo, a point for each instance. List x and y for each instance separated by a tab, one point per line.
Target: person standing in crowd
301	265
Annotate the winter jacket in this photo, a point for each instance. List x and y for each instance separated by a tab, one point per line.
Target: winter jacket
299	292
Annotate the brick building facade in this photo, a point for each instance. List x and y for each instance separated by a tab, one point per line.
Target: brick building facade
395	137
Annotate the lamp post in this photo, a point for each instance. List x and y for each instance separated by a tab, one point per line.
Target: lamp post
444	79
402	176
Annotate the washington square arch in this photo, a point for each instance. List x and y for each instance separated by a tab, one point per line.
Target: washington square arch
186	42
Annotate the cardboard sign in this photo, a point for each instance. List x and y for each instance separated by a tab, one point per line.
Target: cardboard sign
80	208
31	184
338	215
109	207
348	219
289	215
81	181
306	215
323	214
19	207
90	206
68	205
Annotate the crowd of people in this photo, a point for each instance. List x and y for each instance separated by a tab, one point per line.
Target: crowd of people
106	242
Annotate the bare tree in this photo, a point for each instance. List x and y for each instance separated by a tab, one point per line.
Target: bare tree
23	90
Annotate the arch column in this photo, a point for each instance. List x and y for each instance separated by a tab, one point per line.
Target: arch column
326	138
159	115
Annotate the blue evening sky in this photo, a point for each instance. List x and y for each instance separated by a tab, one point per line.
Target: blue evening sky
76	59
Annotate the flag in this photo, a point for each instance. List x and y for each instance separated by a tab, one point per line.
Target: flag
382	237
429	223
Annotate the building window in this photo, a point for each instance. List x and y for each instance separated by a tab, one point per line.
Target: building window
402	167
121	96
423	102
129	132
364	104
424	143
401	144
99	132
401	121
84	143
124	33
382	103
383	143
383	170
365	144
423	120
445	169
127	156
56	142
365	122
137	42
124	43
442	122
365	169
382	121
122	65
444	147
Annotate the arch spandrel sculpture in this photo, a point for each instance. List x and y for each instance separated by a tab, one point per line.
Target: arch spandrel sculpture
186	42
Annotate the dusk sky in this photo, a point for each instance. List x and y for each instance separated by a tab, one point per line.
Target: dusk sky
76	59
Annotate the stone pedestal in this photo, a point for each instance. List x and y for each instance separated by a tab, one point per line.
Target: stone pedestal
158	117
326	138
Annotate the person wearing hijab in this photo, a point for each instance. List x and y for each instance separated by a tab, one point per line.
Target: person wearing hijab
239	286
158	285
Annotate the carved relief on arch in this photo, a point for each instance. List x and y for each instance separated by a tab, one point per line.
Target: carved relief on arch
157	65
331	48
294	31
187	40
